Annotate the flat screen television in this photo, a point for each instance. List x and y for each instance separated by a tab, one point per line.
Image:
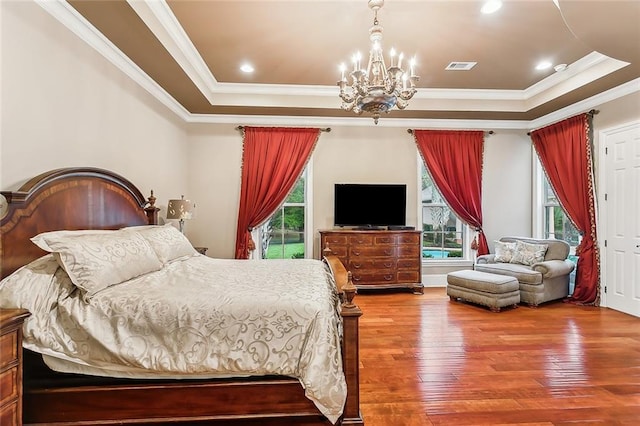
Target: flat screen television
370	205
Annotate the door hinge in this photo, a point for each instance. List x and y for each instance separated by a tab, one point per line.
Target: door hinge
606	150
605	289
605	243
605	197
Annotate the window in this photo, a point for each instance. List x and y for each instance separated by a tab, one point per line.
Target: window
443	234
556	223
283	235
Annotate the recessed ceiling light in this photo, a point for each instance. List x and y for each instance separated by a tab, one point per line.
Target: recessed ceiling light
543	65
491	6
560	67
247	68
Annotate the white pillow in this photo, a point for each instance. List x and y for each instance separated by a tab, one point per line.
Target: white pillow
167	242
528	254
34	287
97	260
504	251
41	239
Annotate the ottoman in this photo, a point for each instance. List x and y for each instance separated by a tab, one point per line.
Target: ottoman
491	290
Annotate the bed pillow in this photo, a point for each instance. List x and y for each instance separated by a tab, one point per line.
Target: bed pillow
528	254
504	251
167	242
95	261
41	239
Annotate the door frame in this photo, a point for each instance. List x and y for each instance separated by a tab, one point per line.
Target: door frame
601	228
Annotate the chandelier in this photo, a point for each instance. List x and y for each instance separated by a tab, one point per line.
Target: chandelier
377	89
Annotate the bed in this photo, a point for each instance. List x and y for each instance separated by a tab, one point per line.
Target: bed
94	199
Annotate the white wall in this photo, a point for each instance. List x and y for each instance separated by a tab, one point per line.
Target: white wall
65	105
506	185
215	161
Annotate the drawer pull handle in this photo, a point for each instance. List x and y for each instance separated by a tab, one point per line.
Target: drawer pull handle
355	278
360	241
388	252
357	265
356	253
388	277
387	265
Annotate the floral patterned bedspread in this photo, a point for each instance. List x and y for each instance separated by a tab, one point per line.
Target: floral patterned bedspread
201	317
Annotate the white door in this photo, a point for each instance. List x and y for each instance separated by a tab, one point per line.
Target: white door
621	207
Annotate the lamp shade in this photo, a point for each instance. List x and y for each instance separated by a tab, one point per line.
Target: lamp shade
180	209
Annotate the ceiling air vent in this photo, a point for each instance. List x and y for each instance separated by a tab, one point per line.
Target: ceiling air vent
460	66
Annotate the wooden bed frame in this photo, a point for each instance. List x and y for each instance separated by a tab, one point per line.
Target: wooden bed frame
90	198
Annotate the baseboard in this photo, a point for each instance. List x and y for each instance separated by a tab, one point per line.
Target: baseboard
435	280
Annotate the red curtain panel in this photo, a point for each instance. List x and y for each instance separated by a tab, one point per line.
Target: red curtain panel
564	150
272	160
454	160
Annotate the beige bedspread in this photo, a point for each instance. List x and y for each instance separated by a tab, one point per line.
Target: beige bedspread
198	317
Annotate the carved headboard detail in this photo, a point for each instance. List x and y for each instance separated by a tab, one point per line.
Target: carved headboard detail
69	198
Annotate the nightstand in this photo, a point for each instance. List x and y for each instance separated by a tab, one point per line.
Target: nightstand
11	321
202	250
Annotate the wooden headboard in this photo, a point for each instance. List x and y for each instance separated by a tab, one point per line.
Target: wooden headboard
69	198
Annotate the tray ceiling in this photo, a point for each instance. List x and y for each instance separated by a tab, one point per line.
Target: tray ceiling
191	51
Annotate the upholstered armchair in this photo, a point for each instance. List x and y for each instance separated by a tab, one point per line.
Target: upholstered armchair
540	266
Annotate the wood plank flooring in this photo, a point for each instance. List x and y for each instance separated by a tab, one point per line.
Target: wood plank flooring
428	361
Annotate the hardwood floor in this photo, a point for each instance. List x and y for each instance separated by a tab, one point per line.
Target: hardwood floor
428	361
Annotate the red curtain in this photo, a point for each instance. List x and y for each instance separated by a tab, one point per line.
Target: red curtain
454	160
272	160
564	150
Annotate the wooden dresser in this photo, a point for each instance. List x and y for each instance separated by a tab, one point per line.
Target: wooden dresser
11	365
378	259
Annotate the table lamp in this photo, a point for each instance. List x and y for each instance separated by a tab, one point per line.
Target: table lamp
180	209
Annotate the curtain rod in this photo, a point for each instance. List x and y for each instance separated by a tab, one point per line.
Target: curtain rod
590	112
325	129
490	132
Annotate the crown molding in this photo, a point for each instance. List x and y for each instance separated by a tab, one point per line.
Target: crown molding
159	18
586	104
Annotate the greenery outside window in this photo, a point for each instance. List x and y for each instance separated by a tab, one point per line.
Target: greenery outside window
283	235
443	234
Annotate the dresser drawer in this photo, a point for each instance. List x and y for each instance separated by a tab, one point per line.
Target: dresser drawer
408	251
409	277
375	277
409	263
9	345
9	415
370	251
365	264
408	239
335	239
340	251
384	239
361	240
8	385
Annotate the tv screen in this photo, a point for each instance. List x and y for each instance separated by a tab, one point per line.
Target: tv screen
370	205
